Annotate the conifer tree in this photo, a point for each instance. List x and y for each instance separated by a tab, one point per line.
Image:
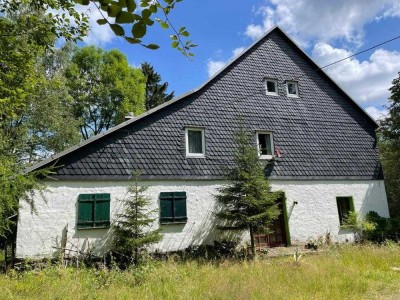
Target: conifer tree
133	227
247	203
155	92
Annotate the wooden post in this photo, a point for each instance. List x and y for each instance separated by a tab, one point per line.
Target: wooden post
253	247
64	239
13	253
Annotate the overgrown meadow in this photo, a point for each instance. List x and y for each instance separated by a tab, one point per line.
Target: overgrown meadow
345	272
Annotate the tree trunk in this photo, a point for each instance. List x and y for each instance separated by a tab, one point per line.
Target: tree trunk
136	259
5	257
253	246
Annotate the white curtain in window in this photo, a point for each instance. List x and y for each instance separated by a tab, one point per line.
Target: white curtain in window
195	141
264	141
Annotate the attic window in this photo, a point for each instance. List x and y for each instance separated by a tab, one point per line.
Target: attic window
271	86
265	144
195	145
292	89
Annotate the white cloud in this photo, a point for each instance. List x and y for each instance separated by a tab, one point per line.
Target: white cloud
98	35
310	19
366	81
214	66
237	51
376	113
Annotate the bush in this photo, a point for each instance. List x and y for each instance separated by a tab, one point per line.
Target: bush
385	229
360	226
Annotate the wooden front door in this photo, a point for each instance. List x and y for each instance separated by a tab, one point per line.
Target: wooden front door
278	236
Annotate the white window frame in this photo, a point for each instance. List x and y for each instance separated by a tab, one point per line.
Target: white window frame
195	155
297	88
272	144
275	81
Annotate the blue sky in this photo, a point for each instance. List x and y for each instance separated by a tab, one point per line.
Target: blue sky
326	30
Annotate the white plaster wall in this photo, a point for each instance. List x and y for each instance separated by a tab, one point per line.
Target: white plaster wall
316	213
313	216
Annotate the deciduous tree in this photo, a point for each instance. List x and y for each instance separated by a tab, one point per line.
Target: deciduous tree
66	21
104	89
389	145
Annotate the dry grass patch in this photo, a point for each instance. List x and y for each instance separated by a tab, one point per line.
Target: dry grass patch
348	272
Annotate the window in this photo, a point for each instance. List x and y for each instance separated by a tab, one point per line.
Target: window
195	146
344	205
265	145
93	211
173	207
271	86
292	89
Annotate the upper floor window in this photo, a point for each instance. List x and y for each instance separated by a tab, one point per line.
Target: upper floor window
195	142
265	144
271	86
292	89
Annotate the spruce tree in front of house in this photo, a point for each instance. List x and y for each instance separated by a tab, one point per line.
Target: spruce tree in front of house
247	203
133	227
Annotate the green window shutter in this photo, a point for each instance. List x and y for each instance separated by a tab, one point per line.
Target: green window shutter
173	207
180	214
351	204
93	210
102	210
85	211
166	207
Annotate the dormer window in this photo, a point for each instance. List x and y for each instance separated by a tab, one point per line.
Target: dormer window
195	145
292	89
265	144
271	86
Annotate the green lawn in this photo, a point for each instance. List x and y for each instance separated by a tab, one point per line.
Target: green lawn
348	272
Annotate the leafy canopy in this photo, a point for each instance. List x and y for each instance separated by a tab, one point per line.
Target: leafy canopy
389	146
65	20
34	117
104	89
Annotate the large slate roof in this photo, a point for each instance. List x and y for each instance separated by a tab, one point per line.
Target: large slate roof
323	134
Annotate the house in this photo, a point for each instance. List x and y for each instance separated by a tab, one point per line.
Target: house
322	142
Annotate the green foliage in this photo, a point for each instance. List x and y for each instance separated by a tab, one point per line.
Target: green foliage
133	227
61	20
247	203
360	226
390	127
385	228
390	158
64	20
34	119
104	89
155	92
389	146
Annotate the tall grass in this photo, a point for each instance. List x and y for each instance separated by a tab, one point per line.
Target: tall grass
349	272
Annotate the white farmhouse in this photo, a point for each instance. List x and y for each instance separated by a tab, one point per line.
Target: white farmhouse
322	142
